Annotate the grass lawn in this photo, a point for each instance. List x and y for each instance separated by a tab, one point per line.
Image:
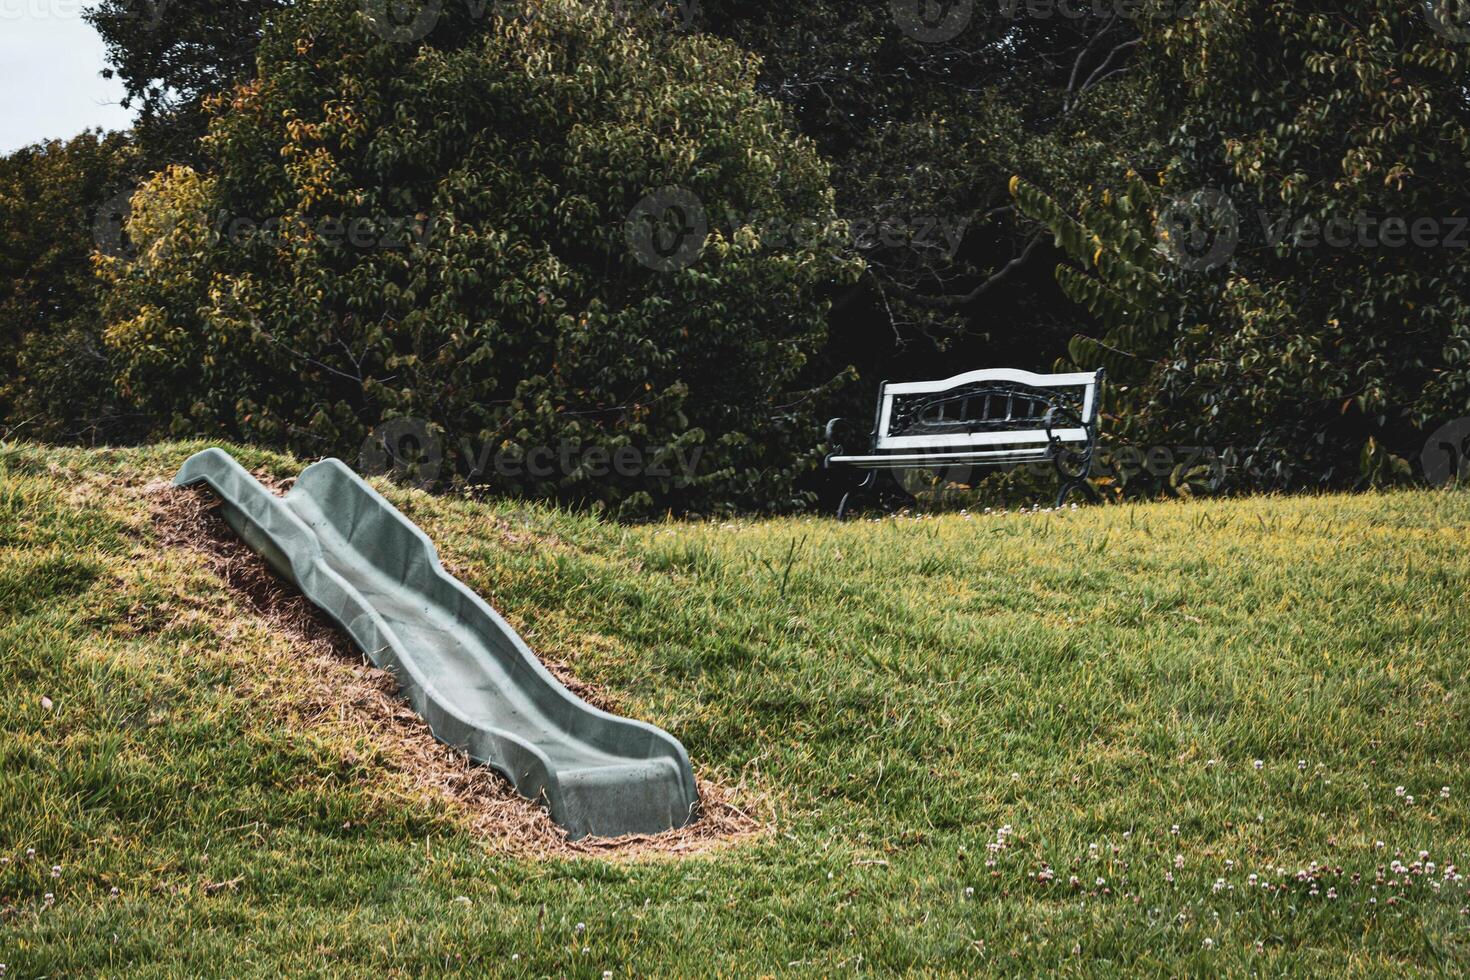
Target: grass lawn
1167	739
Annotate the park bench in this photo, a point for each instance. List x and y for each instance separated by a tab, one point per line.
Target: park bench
990	419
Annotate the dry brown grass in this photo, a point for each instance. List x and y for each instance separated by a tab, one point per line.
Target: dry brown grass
329	682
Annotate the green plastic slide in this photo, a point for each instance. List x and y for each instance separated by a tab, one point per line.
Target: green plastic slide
462	667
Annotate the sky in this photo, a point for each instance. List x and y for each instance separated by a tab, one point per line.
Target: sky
50	81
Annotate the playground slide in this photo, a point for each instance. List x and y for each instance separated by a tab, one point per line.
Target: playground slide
462	667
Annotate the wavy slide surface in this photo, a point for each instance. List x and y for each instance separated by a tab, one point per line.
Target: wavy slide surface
461	666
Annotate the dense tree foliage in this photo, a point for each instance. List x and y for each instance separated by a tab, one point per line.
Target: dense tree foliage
1293	287
450	228
924	125
55	378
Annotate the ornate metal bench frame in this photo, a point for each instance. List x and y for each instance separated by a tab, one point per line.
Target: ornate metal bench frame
990	419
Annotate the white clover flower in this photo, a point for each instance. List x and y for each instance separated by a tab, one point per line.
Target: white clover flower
1398	791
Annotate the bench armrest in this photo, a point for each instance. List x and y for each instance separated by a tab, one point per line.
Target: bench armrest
839	435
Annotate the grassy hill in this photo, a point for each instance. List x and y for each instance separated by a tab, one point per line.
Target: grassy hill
1170	739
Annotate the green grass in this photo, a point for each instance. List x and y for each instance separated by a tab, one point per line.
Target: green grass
894	692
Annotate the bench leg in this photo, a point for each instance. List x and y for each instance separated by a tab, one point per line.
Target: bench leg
1066	490
886	499
851	497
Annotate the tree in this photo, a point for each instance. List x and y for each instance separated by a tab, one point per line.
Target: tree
923	122
55	377
1291	288
173	54
493	224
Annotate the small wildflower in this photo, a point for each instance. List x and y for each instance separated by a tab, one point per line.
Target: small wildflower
515	957
1179	860
1259	764
1174	830
1074	881
115	892
607	975
1169	877
49	898
47	704
1101	882
1209	943
1398	791
1378	845
1211	763
1332	893
1301	765
581	928
1444	792
969	892
56	871
30	853
1409	799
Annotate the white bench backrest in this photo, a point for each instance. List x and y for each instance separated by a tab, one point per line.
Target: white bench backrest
997	420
